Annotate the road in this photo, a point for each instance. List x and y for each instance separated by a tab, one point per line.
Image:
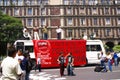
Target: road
82	73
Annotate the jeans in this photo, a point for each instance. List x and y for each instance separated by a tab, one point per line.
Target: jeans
45	36
58	35
70	69
109	65
103	64
27	76
116	61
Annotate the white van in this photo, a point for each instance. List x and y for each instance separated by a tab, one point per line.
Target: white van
93	49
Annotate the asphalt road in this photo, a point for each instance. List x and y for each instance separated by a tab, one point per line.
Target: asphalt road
82	73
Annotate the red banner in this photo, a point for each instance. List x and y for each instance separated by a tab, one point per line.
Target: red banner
48	51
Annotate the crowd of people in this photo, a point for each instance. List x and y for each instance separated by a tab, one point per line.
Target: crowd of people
16	66
36	33
109	59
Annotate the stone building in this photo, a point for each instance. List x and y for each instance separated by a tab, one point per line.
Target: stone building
77	18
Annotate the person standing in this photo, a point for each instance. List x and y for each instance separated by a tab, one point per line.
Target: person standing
26	65
115	57
45	32
59	32
39	64
103	59
26	33
109	57
36	33
61	61
20	57
70	64
10	67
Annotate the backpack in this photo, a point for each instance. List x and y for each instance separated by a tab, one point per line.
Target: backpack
98	68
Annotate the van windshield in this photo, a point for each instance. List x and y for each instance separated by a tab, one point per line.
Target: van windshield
29	48
93	48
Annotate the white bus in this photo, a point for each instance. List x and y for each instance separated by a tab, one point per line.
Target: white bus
93	48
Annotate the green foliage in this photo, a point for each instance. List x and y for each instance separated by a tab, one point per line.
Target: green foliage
116	48
10	28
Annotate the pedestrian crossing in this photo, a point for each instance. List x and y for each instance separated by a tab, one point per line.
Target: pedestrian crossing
45	76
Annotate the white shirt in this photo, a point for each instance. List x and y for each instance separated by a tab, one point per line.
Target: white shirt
19	57
109	57
59	30
10	69
102	57
38	61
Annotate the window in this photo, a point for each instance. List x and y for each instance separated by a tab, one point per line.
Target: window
45	2
118	21
118	11
29	11
70	21
33	2
39	2
27	2
105	1
107	21
43	22
4	11
93	48
16	11
29	48
14	2
117	1
69	32
43	12
94	11
106	10
71	2
95	21
1	2
90	2
6	2
119	32
65	2
82	21
20	2
29	23
82	10
83	32
95	2
95	32
69	11
108	31
77	1
83	2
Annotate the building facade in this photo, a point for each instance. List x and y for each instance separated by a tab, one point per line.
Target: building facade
77	18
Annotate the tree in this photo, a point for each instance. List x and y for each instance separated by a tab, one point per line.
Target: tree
116	48
10	28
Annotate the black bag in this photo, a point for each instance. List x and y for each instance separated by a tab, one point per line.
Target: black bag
98	68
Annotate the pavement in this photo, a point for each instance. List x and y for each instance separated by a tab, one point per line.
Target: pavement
53	74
